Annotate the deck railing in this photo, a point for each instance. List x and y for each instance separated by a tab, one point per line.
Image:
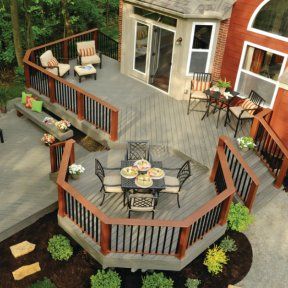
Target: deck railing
85	105
269	147
143	236
245	180
56	152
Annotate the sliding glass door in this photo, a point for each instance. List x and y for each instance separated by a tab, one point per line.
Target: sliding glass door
161	58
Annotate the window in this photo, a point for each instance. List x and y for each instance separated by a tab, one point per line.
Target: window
260	71
273	18
200	48
141	42
156	16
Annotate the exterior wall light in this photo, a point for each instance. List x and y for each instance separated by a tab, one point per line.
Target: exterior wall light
179	41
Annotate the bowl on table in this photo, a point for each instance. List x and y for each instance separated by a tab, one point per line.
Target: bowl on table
143	181
156	173
129	172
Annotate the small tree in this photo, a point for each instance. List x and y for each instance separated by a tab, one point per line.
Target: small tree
192	283
60	248
45	283
215	259
239	217
157	280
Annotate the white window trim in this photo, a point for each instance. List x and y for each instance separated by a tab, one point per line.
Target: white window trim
209	50
148	43
240	69
261	32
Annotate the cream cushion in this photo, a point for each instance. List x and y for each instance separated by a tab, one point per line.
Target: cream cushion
94	59
46	57
81	72
236	110
84	45
112	184
172	184
63	68
199	95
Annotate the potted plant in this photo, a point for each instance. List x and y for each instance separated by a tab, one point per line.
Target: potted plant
75	170
63	125
223	85
246	143
48	139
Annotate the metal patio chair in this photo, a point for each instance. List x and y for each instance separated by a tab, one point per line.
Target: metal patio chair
199	83
174	184
141	203
138	150
110	183
244	112
1	136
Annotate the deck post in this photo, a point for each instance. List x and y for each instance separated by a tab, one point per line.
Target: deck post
52	90
114	126
65	51
61	201
183	242
72	155
214	168
282	174
254	128
251	196
225	210
80	105
105	238
52	158
95	38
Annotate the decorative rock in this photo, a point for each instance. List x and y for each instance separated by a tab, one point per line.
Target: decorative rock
232	286
22	248
25	271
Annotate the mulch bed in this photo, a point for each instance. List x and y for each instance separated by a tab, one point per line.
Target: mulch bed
77	271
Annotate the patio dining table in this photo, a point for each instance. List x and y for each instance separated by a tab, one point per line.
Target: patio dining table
128	185
219	102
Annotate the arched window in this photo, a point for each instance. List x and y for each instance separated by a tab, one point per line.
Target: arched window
272	17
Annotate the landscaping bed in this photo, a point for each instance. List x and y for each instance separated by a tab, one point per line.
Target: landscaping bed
76	272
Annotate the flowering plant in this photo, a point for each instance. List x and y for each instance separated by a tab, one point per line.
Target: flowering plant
62	125
76	169
48	139
246	142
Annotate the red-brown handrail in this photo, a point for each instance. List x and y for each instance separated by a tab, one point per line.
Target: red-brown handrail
272	141
106	222
52	78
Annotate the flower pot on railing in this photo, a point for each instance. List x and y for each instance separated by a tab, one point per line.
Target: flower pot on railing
75	170
75	176
246	143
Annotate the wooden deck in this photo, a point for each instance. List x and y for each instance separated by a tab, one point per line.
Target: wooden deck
146	113
196	191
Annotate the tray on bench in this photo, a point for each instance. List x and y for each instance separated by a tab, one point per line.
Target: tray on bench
38	118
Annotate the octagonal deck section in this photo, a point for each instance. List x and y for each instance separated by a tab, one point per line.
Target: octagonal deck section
196	192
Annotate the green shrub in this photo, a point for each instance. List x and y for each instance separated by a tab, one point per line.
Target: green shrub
215	259
157	280
105	279
192	283
228	244
45	283
60	248
239	217
19	74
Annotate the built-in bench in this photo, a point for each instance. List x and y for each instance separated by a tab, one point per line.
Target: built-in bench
38	118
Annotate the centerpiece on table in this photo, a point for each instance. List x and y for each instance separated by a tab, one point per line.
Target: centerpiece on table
223	85
246	143
143	181
63	125
75	170
142	165
48	139
129	172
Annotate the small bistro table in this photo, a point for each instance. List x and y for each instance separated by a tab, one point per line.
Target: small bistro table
219	102
129	184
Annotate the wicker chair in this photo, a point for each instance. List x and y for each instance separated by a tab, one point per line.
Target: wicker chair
245	112
110	183
138	150
87	53
174	184
141	203
199	83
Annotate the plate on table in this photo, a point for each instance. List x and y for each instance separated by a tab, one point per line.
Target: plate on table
143	181
129	172
156	173
142	165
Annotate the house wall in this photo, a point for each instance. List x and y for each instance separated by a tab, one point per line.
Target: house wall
238	33
180	83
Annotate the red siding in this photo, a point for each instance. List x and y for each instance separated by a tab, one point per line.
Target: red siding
242	12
